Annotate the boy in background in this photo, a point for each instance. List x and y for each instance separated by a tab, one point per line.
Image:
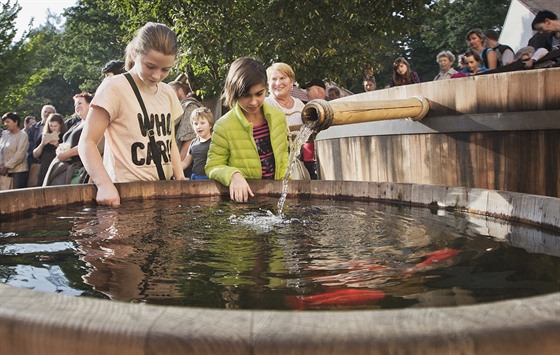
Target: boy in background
202	122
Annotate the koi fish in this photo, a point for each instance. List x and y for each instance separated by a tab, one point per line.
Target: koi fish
343	297
437	257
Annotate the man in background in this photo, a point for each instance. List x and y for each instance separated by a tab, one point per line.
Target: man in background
316	89
112	68
184	132
546	21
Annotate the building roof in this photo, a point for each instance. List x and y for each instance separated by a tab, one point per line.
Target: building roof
299	93
537	5
517	31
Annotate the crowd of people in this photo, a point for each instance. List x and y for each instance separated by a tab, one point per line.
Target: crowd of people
486	54
136	127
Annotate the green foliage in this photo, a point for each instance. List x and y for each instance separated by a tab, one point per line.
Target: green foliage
7	25
91	38
328	39
449	22
11	55
445	28
52	64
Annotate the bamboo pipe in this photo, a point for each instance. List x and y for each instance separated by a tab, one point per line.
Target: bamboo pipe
326	114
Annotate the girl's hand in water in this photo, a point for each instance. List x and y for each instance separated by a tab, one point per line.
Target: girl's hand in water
107	195
239	189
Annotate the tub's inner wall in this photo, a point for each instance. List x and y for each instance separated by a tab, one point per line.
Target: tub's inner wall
533	209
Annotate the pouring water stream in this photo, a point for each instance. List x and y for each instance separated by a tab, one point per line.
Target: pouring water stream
295	147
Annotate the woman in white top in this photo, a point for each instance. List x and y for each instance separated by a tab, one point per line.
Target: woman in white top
445	60
13	149
281	79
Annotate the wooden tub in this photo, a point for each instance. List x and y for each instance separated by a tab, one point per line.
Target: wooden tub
41	323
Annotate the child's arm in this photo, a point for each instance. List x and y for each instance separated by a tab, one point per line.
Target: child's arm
94	127
176	161
217	167
37	152
239	189
187	161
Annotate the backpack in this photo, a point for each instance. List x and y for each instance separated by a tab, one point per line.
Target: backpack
186	103
500	51
192	101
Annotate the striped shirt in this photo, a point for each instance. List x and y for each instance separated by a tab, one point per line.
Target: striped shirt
261	134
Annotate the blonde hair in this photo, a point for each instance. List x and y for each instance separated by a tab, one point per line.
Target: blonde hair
202	112
282	68
154	36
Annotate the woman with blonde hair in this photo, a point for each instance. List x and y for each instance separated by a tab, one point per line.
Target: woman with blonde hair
281	79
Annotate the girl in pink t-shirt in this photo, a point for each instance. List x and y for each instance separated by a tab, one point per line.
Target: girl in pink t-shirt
138	146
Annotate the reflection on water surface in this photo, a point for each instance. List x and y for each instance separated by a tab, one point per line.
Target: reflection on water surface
320	254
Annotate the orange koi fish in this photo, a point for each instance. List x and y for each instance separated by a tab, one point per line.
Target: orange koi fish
437	257
343	297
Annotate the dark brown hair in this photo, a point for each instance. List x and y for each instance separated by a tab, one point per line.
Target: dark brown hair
399	79
244	73
13	116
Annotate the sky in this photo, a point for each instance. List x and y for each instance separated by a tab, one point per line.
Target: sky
38	9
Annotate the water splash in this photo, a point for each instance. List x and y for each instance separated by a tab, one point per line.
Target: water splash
259	221
295	147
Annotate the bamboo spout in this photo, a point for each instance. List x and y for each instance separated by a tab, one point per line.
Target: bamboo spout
326	114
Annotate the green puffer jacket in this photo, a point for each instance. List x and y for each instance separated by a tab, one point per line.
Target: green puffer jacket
233	147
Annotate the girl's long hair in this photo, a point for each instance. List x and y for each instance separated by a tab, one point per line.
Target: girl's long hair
154	36
399	79
55	117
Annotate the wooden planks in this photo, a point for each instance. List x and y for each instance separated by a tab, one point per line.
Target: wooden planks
495	131
521	161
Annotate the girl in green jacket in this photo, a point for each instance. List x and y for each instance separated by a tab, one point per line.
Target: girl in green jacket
250	141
